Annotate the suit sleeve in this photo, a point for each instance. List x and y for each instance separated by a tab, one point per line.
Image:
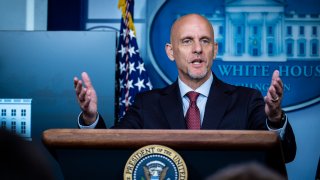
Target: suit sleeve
288	143
258	119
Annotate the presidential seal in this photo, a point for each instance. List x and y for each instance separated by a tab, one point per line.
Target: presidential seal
155	162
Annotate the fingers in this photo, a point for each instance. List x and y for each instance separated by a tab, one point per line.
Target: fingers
275	91
274	96
86	80
277	83
77	85
273	103
83	94
86	99
86	94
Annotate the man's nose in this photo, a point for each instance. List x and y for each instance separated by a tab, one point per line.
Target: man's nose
197	48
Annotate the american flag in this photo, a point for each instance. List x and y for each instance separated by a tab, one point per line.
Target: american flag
132	74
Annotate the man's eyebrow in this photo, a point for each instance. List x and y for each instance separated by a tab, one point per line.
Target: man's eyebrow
191	37
205	37
187	37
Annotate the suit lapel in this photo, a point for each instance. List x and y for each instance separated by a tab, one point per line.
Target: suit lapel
216	105
171	105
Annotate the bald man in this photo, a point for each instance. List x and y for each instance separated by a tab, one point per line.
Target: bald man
219	105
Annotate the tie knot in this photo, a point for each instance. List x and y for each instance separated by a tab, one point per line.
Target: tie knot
192	95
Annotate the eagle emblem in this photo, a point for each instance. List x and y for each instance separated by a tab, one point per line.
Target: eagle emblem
155	170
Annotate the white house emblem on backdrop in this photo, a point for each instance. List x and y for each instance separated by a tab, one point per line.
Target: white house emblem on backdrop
254	38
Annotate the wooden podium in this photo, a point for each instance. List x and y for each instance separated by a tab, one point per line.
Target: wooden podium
102	154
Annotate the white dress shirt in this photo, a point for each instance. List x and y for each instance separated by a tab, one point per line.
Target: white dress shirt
203	90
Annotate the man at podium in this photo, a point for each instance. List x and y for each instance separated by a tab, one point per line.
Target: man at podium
197	99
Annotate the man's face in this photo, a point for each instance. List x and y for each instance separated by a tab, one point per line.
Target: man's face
192	48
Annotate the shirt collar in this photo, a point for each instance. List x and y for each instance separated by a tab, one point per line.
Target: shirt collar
203	89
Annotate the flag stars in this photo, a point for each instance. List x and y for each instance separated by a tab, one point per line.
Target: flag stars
141	67
120	101
122	67
131	51
122	50
127	102
131	34
131	67
124	33
129	84
140	84
149	84
133	77
121	84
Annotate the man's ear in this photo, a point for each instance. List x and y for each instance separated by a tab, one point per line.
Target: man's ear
215	50
169	51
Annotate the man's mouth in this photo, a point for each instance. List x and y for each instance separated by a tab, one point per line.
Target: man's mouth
196	61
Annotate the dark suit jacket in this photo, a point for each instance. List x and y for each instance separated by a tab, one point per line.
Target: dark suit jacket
228	107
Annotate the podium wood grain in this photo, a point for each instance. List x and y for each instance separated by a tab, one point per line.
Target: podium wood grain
180	139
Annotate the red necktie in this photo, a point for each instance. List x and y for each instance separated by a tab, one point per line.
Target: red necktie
193	113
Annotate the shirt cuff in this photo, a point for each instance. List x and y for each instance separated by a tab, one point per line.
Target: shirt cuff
82	126
279	131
